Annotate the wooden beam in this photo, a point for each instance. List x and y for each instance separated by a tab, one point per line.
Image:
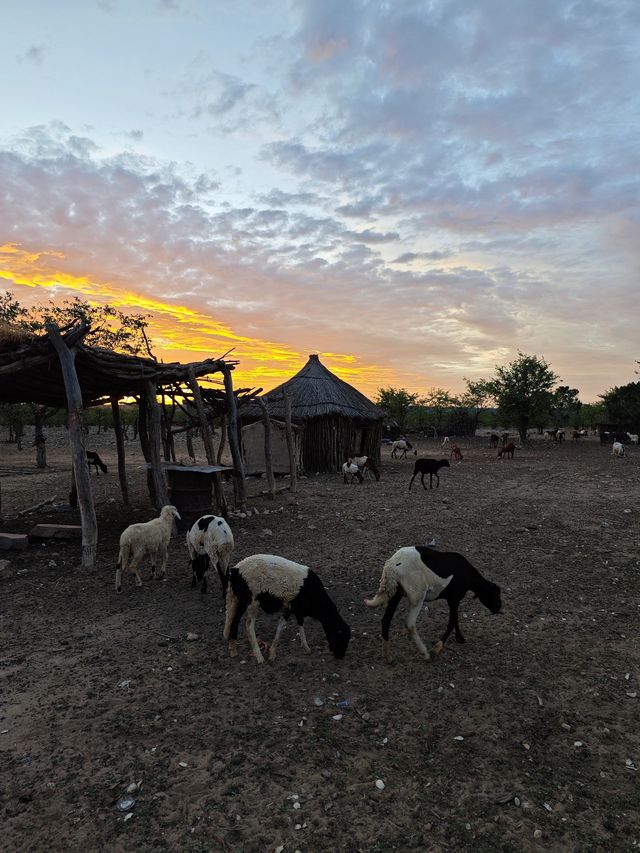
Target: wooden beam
268	455
155	441
239	482
78	450
207	438
122	471
293	465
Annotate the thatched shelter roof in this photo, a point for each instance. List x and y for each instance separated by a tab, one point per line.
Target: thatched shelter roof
30	369
316	392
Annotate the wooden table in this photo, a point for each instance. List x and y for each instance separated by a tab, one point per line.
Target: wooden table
190	489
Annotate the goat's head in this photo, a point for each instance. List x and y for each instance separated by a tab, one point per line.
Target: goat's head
490	596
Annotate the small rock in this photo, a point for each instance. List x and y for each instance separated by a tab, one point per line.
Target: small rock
266	532
458	737
182	764
380	784
192	637
296	805
578	743
125	684
132	788
337	717
318	702
128	816
537	833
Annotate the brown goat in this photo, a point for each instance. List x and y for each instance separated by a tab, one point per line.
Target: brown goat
507	450
457	453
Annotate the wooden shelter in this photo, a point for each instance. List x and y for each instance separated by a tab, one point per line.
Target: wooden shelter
253	450
57	369
338	420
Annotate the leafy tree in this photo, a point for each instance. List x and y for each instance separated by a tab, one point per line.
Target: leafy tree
396	402
566	406
593	413
110	327
623	404
523	391
439	401
475	398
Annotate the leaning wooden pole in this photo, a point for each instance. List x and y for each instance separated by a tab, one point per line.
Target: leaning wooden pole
293	468
234	445
207	439
268	455
155	442
122	471
78	451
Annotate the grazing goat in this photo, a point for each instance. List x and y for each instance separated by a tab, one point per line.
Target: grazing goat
407	573
493	440
445	440
402	445
94	459
349	471
149	539
430	467
276	584
504	438
366	465
617	448
507	450
456	453
210	540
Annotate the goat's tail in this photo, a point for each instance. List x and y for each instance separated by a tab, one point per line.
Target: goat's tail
387	589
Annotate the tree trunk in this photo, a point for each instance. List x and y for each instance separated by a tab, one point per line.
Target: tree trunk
117	427
190	450
268	456
40	440
79	453
291	447
223	438
155	442
240	487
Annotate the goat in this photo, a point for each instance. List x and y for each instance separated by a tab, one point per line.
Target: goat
349	471
633	437
94	459
445	440
147	539
507	450
430	467
617	448
456	453
402	445
276	584
365	464
493	440
209	540
406	573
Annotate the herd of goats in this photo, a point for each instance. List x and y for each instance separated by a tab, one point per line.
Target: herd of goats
277	585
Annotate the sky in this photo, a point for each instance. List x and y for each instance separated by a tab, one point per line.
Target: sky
415	190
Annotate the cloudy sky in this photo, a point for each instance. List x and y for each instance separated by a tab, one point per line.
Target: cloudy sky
415	190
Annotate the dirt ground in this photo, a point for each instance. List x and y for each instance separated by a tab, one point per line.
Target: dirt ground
525	738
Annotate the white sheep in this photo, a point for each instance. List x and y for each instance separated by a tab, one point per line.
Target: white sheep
365	465
149	539
406	573
209	541
351	470
633	437
402	445
276	584
617	449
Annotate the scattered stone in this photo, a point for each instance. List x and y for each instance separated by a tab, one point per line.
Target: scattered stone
192	637
6	569
380	784
13	541
537	833
266	532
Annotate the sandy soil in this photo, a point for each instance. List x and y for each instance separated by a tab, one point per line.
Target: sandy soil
518	740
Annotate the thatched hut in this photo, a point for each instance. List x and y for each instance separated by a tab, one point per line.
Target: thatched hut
338	420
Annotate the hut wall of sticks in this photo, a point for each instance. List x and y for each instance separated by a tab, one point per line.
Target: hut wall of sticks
338	420
57	370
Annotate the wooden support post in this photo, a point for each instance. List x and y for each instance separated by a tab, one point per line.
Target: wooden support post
117	428
155	442
268	456
207	439
223	438
78	450
291	447
234	445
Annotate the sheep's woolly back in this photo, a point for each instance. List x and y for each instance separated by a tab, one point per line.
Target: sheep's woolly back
405	568
210	535
276	575
149	536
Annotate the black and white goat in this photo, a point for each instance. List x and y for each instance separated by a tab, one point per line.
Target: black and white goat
275	585
412	570
430	467
209	540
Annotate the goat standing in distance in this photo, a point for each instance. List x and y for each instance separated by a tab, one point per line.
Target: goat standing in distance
430	467
493	440
365	465
351	470
456	453
507	450
94	459
402	445
617	449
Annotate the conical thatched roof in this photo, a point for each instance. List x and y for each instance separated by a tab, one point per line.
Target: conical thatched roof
316	392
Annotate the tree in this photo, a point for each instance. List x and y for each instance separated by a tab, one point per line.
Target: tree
396	402
523	391
566	406
110	327
439	401
623	404
476	397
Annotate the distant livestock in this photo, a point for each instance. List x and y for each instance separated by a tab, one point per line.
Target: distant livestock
366	465
456	453
617	448
507	450
94	459
349	471
402	445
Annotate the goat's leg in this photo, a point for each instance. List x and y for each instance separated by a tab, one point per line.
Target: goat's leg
386	623
234	622
136	559
437	476
118	578
412	479
452	622
303	636
459	637
422	479
412	617
274	645
250	627
163	564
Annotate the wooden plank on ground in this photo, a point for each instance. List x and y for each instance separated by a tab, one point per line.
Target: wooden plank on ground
13	541
56	531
